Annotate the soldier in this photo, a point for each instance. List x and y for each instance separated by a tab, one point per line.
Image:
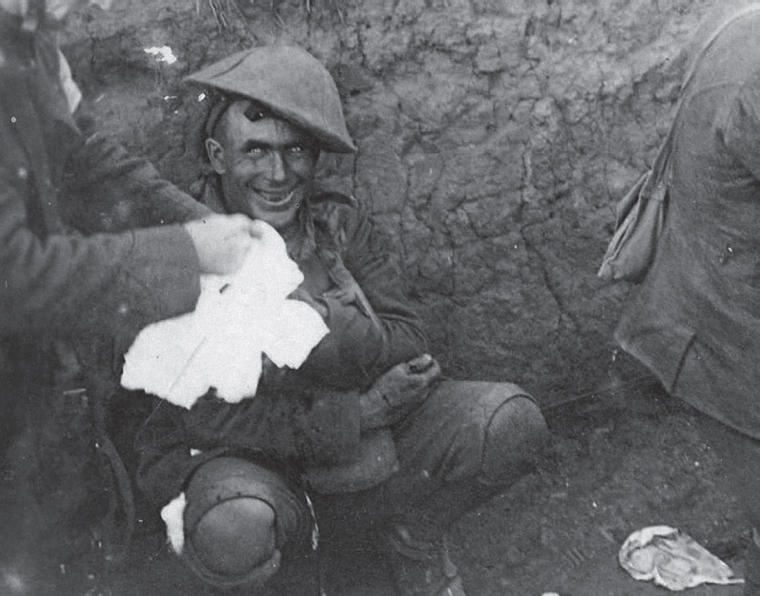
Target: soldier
695	319
93	247
367	426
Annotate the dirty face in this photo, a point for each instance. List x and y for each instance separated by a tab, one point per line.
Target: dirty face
266	165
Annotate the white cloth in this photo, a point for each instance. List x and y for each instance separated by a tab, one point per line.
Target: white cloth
220	343
672	559
173	515
70	88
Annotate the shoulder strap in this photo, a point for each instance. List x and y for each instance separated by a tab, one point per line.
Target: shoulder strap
658	167
747	10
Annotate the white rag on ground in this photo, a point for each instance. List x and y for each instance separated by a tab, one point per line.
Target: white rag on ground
220	343
672	559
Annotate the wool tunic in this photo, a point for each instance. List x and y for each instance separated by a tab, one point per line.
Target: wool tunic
695	319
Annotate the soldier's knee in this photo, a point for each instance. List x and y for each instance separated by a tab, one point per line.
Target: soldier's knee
515	440
239	520
235	537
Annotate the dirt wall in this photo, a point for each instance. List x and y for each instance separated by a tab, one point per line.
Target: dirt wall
494	139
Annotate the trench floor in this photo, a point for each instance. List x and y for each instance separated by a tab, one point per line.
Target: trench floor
618	463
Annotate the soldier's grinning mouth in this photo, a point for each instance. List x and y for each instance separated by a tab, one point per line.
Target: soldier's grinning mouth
276	199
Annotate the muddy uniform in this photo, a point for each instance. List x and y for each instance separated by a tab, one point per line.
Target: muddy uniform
695	320
308	417
448	460
363	427
61	287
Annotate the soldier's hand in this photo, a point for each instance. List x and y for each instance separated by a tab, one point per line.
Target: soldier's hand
222	241
397	392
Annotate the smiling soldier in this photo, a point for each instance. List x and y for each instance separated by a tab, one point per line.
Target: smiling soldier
366	427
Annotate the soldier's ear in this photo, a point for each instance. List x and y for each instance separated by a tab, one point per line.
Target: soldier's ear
215	153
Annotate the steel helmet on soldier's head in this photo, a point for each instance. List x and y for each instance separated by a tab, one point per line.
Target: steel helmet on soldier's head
291	83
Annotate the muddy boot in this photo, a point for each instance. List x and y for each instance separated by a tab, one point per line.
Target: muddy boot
414	543
419	567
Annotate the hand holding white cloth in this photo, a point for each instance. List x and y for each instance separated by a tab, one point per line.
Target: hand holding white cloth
220	343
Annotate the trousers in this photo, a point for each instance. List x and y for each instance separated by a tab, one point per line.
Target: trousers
466	442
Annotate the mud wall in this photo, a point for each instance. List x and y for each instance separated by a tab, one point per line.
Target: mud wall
494	139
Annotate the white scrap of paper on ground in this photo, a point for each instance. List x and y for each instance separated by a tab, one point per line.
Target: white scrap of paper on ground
220	343
672	559
173	516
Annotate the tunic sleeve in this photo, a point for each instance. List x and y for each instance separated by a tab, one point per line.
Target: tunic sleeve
105	189
63	283
363	345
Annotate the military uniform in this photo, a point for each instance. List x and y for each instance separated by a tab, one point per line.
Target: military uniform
695	319
67	292
299	445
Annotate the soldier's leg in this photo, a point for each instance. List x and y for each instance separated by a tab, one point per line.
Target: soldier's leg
470	452
467	442
241	519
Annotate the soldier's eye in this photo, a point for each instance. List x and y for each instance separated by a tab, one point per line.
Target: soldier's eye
254	114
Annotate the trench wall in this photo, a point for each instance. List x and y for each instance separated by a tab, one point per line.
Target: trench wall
494	136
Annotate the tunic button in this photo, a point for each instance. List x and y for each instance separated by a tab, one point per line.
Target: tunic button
23	173
13	120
